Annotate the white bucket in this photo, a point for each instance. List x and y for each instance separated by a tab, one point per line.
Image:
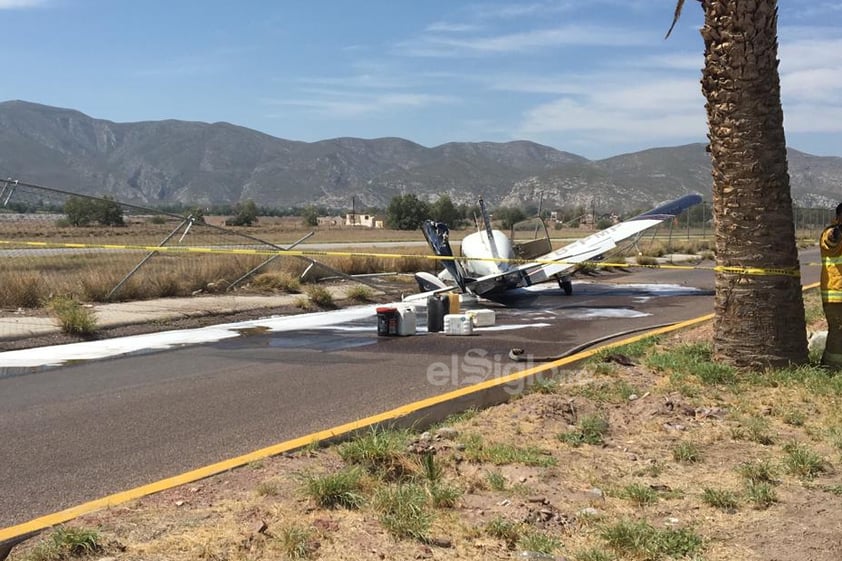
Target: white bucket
482	317
407	324
458	324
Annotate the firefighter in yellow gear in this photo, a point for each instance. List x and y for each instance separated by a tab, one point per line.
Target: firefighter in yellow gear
830	244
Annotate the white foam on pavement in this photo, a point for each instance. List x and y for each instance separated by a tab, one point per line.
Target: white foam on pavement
335	319
605	313
92	350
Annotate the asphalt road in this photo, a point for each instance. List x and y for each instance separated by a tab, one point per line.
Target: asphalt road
83	431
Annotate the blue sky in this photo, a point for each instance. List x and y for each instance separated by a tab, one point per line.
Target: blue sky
593	77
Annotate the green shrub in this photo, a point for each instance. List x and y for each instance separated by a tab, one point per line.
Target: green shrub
65	542
687	452
320	296
505	530
761	493
360	293
381	452
403	510
284	282
640	495
73	318
591	429
444	496
760	471
340	489
720	498
297	542
640	539
502	454
802	461
593	554
755	429
538	542
496	480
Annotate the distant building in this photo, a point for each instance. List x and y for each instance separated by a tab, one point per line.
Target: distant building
364	220
330	221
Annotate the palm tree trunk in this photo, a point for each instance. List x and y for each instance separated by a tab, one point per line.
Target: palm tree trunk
759	318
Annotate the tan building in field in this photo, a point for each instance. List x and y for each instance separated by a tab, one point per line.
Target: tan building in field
364	220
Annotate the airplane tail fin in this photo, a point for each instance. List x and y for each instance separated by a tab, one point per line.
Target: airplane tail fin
438	235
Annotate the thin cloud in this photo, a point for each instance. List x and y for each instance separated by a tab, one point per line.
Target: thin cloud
540	9
365	81
528	41
677	61
446	27
811	53
346	107
20	4
568	115
508	11
630	106
814	10
184	67
812	118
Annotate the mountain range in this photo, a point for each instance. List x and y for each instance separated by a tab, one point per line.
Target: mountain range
159	162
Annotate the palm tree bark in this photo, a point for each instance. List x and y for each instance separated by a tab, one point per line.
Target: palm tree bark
759	316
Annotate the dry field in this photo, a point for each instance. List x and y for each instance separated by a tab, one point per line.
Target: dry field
33	275
646	451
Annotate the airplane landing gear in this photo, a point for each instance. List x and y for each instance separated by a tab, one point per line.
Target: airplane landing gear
565	284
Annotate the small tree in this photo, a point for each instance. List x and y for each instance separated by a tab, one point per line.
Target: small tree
198	214
81	211
310	215
108	212
406	212
509	216
443	210
246	214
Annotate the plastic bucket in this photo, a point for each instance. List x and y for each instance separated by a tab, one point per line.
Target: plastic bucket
387	321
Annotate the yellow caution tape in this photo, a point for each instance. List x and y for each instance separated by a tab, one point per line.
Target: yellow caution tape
754	271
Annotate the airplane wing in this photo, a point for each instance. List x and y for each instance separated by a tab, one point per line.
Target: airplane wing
580	251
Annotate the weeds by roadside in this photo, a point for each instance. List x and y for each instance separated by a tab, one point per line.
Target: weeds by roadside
65	542
73	317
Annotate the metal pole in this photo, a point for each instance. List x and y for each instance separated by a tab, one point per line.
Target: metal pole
266	262
188	221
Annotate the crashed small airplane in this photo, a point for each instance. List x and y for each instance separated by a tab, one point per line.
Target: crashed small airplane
483	269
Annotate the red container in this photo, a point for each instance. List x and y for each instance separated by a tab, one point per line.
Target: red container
387	321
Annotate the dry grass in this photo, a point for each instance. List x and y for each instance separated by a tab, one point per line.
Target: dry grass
34	274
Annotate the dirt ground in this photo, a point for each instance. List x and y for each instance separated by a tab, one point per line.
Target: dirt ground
521	482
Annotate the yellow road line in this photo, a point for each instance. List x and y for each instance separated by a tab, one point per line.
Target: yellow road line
53	519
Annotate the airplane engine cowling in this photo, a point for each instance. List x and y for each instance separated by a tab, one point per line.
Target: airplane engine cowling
477	246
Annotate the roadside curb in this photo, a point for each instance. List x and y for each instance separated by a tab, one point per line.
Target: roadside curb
419	413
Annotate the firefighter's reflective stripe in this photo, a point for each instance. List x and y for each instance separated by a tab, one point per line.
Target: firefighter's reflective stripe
832	296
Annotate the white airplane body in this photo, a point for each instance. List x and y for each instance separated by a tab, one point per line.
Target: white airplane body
482	268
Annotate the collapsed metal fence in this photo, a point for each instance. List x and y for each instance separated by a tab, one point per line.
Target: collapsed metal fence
125	252
96	258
